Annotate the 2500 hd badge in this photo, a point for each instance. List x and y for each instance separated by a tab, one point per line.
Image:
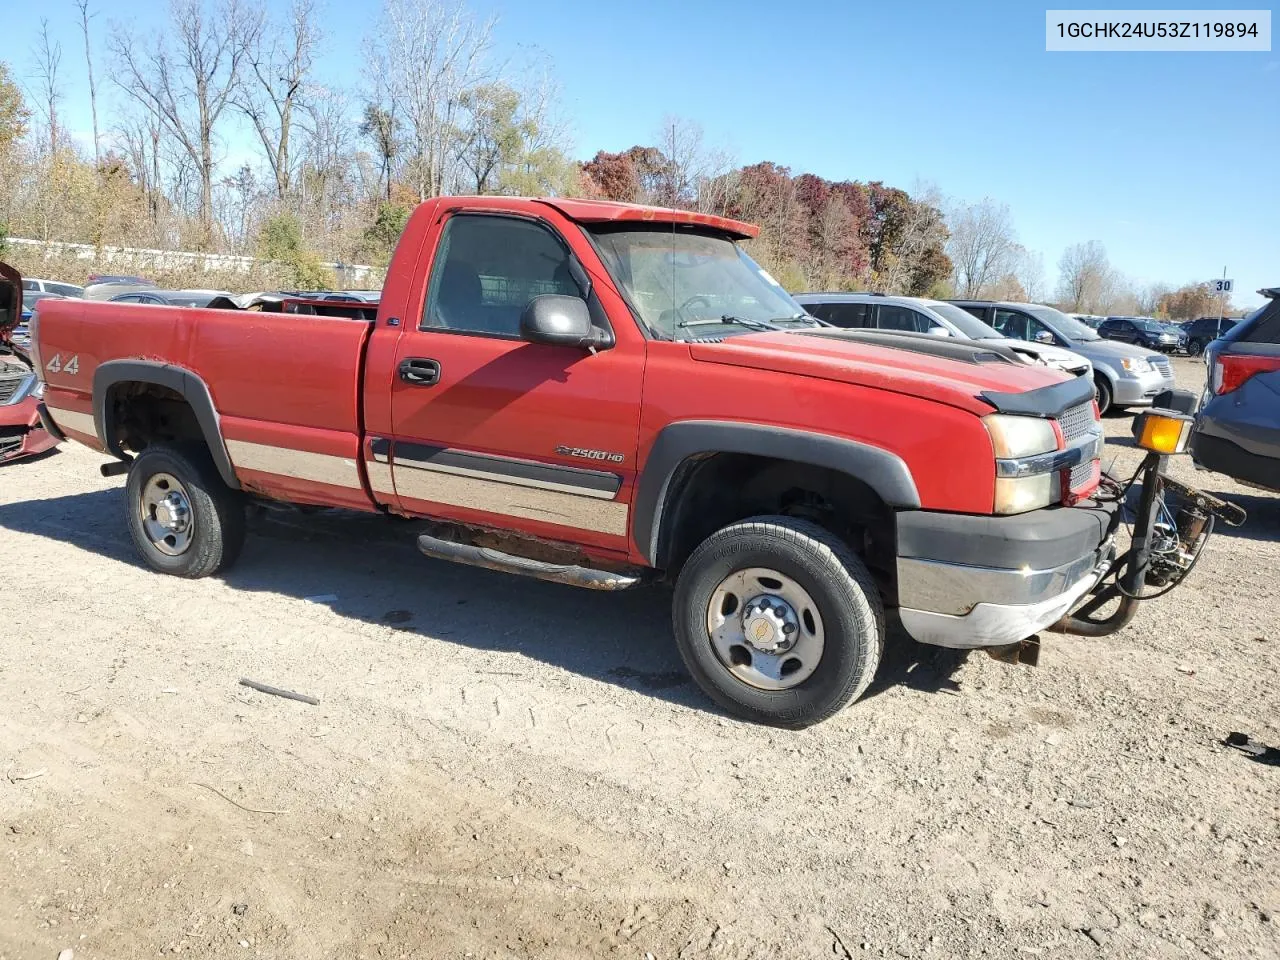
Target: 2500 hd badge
604	455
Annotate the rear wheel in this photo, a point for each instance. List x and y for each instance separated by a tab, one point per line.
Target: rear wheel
778	621
184	520
1102	393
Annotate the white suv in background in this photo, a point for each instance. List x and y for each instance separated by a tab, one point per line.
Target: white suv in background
920	315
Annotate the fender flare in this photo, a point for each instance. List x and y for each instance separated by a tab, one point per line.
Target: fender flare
177	379
884	472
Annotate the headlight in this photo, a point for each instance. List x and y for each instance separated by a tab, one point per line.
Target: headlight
38	390
1013	437
1020	494
1135	365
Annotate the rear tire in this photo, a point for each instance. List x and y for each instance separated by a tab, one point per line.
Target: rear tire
183	519
1102	394
795	575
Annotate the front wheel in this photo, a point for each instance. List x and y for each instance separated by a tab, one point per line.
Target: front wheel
778	621
1195	348
1102	393
184	520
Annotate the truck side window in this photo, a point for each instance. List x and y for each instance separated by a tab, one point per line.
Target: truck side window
487	269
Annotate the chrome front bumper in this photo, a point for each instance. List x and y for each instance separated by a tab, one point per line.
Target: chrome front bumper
968	607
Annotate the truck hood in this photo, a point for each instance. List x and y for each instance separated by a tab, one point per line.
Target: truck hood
10	300
1111	349
958	383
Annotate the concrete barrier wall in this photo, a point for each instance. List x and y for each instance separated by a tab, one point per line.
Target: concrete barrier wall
138	260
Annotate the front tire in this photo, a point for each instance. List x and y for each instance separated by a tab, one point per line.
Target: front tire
1195	348
183	519
778	621
1102	394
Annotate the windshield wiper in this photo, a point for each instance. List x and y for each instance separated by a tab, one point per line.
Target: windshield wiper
728	319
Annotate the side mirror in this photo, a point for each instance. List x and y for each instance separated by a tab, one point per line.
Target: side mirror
1044	336
939	332
558	320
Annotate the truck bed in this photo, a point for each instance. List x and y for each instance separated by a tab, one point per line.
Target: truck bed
303	371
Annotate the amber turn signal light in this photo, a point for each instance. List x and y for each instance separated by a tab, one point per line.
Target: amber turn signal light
1162	431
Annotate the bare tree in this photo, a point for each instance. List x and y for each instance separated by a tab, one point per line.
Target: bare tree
85	17
429	53
983	246
1030	275
48	56
835	230
1085	278
185	78
1152	298
140	137
272	89
381	127
240	193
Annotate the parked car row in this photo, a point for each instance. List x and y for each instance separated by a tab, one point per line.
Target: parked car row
1144	332
1200	333
936	317
1125	375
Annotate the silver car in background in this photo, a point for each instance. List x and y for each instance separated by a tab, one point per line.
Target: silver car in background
1125	375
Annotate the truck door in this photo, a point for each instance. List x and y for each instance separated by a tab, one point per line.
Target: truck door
492	430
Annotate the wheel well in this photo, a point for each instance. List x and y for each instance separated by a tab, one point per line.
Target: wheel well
139	414
713	491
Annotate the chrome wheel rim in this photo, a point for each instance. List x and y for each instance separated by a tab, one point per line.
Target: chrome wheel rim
765	628
165	510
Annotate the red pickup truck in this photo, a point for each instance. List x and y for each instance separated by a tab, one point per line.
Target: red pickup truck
604	395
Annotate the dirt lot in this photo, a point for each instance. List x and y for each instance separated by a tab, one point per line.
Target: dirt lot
505	768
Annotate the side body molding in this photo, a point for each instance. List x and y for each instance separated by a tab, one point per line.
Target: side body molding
884	472
178	379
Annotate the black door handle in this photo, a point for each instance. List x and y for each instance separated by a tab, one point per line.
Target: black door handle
420	371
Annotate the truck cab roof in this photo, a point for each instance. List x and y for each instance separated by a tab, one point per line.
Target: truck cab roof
609	211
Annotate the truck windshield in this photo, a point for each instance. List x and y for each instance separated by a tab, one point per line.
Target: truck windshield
685	283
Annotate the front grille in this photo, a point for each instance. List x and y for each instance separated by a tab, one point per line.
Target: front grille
1162	365
9	386
1077	422
1080	474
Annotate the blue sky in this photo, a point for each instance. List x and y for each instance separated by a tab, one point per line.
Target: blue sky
1168	159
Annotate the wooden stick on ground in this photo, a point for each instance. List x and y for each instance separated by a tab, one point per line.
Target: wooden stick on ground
277	692
233	802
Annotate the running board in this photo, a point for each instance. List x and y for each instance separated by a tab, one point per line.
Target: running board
492	559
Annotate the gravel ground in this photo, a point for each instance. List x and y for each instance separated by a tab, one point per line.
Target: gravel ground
504	768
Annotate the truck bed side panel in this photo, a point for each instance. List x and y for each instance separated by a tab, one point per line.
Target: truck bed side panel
74	337
287	390
285	386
